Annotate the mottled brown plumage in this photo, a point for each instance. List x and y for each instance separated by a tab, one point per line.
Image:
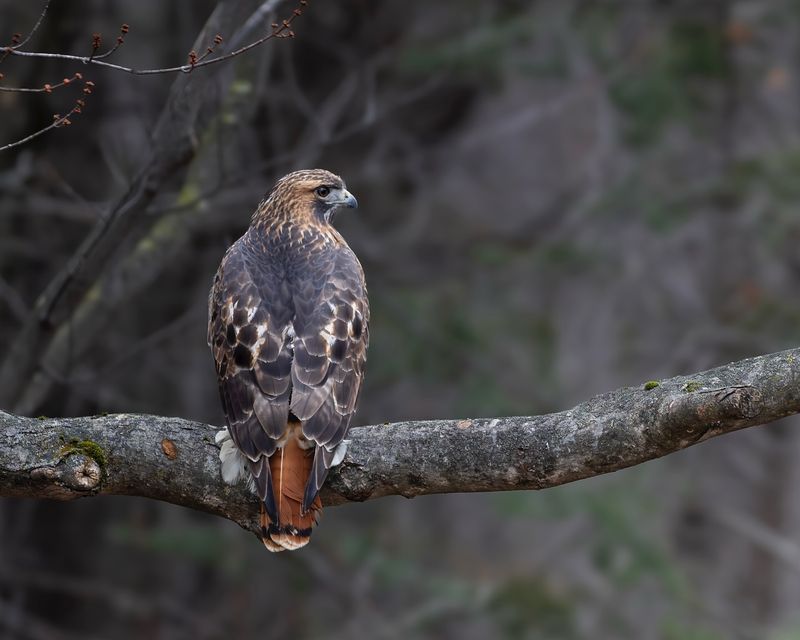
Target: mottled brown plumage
288	328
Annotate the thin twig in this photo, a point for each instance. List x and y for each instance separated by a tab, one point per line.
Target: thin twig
58	122
279	31
45	88
123	31
16	43
36	26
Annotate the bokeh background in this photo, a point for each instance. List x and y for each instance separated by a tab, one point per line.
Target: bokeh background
558	198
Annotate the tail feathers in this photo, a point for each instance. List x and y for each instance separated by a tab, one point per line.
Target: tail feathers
267	529
323	461
316	477
262	481
290	527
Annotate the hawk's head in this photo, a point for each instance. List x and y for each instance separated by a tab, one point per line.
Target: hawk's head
314	192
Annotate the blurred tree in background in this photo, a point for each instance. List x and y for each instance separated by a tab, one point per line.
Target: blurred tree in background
557	199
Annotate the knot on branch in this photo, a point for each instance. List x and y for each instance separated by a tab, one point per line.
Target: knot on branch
743	402
74	476
700	412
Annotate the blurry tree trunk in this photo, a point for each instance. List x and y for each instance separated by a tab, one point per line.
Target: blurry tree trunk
193	101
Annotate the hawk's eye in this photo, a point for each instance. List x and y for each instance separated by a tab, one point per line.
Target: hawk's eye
322	192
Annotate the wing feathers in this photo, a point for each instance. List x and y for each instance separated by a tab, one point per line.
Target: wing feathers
345	392
307	399
324	425
272	413
274	377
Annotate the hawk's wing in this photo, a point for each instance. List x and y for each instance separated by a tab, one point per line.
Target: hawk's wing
330	348
249	334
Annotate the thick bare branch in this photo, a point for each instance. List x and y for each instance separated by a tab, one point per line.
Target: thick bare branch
176	460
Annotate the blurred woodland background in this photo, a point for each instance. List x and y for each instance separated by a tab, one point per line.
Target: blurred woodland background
557	198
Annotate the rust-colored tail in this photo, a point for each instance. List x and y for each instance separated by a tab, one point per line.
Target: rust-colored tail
290	467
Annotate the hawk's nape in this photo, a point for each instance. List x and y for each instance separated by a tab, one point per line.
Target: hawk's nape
289	330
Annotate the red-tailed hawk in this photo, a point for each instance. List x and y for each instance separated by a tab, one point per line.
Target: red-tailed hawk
288	317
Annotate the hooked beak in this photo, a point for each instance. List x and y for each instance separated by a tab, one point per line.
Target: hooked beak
348	199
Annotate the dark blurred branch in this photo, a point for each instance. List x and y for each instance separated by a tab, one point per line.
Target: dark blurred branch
167	240
12	300
176	460
125	602
193	101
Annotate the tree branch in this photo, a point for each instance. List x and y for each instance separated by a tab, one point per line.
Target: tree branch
278	30
176	460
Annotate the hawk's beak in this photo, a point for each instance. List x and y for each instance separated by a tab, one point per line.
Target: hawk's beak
349	200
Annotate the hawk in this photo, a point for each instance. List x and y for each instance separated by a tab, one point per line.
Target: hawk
288	327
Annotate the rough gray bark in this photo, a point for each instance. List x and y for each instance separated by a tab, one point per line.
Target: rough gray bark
176	460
